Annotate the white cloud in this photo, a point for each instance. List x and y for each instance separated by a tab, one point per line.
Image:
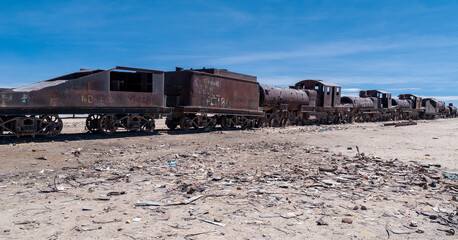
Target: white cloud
344	94
351	90
444	98
334	49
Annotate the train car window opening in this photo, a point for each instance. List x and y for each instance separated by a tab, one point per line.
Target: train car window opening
337	91
131	81
317	88
328	89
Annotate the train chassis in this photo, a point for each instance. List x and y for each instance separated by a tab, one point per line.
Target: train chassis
206	121
385	115
299	118
52	125
110	123
32	125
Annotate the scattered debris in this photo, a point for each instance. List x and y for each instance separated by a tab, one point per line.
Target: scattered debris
451	176
321	222
116	193
400	124
214	223
146	203
197	234
347	220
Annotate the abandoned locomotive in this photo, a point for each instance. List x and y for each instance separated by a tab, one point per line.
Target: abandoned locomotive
132	98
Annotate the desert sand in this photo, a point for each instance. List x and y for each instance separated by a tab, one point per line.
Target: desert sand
353	181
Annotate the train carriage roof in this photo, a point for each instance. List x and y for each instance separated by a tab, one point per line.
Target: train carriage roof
379	91
408	95
312	83
75	75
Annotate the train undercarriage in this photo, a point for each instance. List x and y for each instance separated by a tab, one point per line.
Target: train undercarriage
31	125
210	121
51	125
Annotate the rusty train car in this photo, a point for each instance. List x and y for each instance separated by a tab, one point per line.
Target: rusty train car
132	98
308	101
121	97
315	101
204	98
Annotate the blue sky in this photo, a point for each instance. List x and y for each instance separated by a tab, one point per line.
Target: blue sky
398	46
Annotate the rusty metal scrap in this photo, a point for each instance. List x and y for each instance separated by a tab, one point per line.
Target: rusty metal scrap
400	124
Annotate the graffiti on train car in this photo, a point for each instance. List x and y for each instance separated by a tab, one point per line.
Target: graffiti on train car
209	100
137	99
5	99
87	99
91	99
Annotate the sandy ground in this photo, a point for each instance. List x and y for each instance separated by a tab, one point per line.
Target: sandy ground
296	182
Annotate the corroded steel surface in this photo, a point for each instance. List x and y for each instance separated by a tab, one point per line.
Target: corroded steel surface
358	102
200	91
400	103
433	105
273	97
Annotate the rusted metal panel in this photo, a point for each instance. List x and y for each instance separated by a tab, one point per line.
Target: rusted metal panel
433	105
226	73
429	105
88	91
400	124
199	91
273	97
400	103
358	102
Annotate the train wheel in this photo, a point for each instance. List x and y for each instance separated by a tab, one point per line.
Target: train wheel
262	123
358	118
274	122
92	123
108	124
185	123
172	125
247	123
212	123
148	124
338	118
351	119
51	125
233	122
225	123
135	122
285	122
